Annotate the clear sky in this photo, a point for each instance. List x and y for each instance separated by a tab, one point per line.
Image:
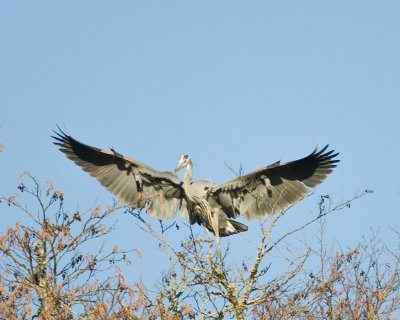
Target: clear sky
237	82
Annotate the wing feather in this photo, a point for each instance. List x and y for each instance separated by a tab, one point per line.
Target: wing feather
274	188
132	182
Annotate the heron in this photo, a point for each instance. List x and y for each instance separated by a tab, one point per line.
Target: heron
269	190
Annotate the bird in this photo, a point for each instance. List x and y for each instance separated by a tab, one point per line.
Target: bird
267	191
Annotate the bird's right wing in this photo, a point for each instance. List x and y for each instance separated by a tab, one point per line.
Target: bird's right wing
274	188
133	183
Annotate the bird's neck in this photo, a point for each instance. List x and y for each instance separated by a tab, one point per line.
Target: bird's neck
188	174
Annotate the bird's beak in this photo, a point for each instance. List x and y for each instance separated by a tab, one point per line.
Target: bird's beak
178	167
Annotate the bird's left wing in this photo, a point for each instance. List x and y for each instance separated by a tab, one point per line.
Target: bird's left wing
133	183
274	188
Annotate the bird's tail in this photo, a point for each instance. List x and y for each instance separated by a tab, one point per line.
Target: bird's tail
240	227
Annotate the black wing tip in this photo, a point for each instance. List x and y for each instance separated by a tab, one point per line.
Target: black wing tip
322	150
325	159
326	155
61	138
60	132
60	135
63	141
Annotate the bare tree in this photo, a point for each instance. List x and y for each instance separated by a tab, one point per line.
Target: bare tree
49	270
203	282
45	271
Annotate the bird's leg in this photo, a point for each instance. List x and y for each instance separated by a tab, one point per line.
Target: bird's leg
214	223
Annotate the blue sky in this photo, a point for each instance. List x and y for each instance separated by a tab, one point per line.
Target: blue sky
234	82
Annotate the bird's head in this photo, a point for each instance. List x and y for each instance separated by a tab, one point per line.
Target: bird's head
184	161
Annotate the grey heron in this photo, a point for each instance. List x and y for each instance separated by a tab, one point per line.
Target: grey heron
267	191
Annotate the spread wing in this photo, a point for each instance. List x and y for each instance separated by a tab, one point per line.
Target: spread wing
133	183
274	188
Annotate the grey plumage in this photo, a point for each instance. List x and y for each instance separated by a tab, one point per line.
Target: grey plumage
267	191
